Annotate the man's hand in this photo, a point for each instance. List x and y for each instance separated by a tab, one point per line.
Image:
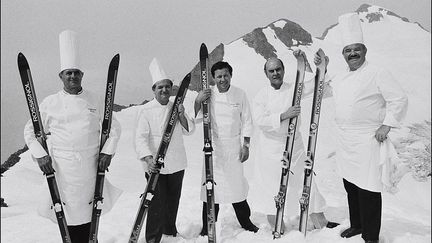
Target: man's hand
381	133
151	164
45	164
244	153
293	111
298	53
104	161
317	60
181	110
203	95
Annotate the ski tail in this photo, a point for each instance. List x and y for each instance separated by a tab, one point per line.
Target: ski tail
105	131
287	154
35	117
313	135
150	189
208	148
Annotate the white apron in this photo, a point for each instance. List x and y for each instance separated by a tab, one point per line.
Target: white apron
230	184
365	99
268	171
76	178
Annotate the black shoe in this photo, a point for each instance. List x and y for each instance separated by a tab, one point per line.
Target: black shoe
331	224
350	232
252	228
203	232
371	241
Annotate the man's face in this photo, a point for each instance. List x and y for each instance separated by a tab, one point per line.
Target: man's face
71	79
355	55
275	72
222	77
162	91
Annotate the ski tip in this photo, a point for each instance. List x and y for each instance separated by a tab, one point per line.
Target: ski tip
22	61
203	50
187	77
115	60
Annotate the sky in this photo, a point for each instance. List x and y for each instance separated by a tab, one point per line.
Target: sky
172	31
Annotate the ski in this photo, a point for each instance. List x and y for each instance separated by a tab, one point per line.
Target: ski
208	149
106	128
302	65
313	132
30	94
149	192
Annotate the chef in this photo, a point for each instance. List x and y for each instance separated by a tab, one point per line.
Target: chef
369	102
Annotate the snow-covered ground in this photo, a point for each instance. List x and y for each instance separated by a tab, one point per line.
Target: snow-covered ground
406	215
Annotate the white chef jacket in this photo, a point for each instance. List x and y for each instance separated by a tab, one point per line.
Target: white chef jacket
365	99
74	123
231	120
149	130
268	105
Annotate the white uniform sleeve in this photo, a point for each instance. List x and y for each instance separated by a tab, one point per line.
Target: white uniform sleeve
110	145
34	146
142	136
395	97
265	120
191	125
246	118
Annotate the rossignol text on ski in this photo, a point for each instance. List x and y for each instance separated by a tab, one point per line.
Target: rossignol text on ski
313	133
208	149
105	131
35	117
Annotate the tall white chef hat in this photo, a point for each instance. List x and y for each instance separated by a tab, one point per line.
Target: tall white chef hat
350	27
69	50
157	71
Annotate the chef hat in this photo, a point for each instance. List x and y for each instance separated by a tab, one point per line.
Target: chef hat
157	71
350	28
69	51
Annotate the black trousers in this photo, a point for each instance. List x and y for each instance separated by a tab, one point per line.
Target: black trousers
79	233
364	210
162	213
242	211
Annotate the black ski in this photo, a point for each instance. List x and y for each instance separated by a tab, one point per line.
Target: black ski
302	64
208	149
27	82
149	192
106	128
313	132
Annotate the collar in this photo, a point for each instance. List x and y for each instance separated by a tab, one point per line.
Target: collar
66	93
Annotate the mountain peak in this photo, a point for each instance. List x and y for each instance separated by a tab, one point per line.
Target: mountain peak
373	13
289	33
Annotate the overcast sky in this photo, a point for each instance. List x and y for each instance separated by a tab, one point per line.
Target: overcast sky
139	31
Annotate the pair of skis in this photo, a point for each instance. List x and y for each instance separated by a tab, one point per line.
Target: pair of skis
208	149
30	94
302	65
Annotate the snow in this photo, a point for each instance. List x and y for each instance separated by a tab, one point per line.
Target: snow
406	215
280	24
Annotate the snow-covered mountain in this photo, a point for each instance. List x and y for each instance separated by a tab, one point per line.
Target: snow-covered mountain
394	42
